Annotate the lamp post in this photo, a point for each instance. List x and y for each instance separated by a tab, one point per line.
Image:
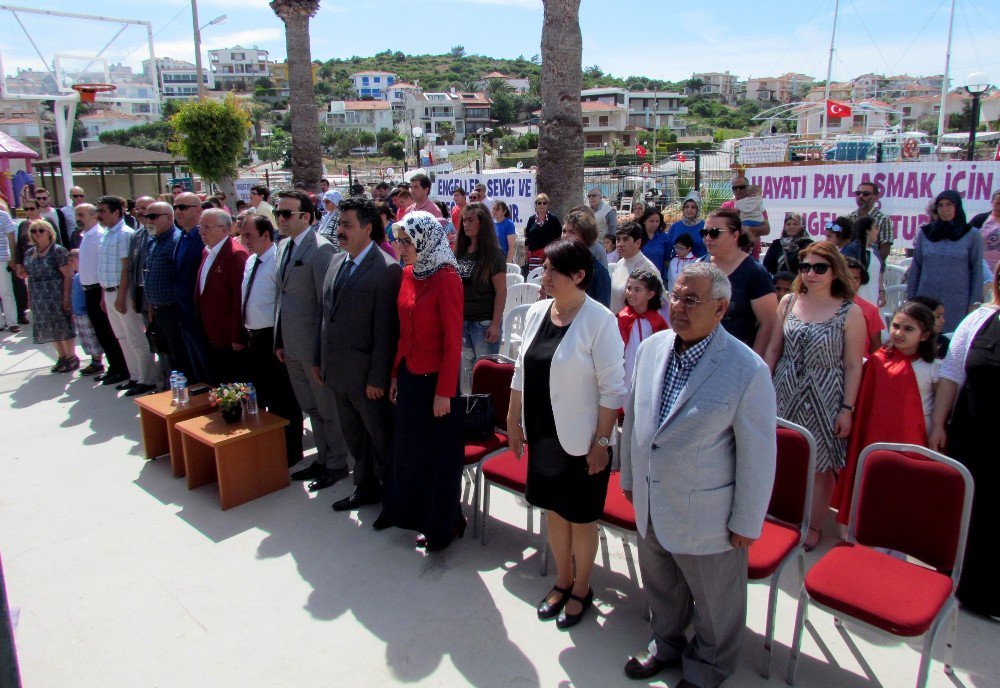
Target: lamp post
976	85
197	45
417	133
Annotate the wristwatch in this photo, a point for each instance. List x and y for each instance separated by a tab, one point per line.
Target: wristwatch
604	441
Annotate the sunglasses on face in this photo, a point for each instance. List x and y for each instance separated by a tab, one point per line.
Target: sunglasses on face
153	216
181	206
818	268
38	231
78	196
541	202
739	187
864	194
30	208
713	232
287	214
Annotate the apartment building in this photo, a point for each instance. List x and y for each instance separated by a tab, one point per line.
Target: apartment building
517	84
646	109
781	89
721	85
358	115
279	75
175	78
373	84
239	65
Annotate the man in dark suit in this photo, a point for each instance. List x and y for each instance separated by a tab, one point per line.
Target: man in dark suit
187	260
357	343
303	259
219	296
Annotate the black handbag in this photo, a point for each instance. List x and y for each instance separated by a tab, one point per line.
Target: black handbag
478	416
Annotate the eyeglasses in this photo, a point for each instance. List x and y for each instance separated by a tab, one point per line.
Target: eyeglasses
863	193
181	206
153	216
28	209
405	243
739	187
541	202
287	214
39	231
818	268
686	301
713	232
79	196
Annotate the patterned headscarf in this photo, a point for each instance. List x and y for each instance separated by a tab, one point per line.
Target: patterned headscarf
430	240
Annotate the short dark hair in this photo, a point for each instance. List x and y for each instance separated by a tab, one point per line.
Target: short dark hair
871	184
684	240
113	203
261	191
305	202
172	187
783	276
261	224
630	229
458	190
382	185
584	223
569	256
855	264
357	189
421	179
367	214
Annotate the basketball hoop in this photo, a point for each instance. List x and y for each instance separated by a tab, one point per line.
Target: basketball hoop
88	92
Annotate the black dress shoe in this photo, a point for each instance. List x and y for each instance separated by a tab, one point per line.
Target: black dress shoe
356	501
457	533
565	620
312	472
113	378
128	384
645	665
548	611
329	478
140	389
383	522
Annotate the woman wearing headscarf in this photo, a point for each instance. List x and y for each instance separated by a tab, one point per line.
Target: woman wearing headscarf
424	476
327	227
783	255
690	224
948	261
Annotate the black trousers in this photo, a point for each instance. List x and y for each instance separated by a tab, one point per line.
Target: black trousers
20	294
274	390
105	335
367	426
170	340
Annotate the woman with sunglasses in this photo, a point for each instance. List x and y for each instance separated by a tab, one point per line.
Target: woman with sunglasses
948	261
423	478
50	284
751	310
816	359
542	229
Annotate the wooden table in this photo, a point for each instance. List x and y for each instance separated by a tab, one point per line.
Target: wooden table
159	417
247	458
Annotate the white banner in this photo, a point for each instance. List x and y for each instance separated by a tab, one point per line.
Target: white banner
756	151
823	192
243	187
516	189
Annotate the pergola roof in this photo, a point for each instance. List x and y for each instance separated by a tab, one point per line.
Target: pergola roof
114	155
12	148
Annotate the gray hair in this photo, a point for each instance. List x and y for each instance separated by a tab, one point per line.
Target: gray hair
721	289
224	218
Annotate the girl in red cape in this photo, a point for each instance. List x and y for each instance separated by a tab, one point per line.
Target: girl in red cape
896	397
640	319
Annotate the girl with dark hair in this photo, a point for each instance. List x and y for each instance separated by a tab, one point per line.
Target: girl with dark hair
639	319
483	269
948	261
654	242
385	238
866	236
896	396
815	356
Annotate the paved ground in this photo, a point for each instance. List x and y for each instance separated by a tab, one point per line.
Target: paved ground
123	577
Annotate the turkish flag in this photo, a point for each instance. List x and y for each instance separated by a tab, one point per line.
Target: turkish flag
640	151
996	156
835	110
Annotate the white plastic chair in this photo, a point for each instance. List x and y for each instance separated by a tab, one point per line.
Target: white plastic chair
513	279
520	294
535	276
905	263
513	269
895	296
513	330
893	275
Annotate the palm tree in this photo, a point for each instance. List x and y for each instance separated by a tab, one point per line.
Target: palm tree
560	141
307	159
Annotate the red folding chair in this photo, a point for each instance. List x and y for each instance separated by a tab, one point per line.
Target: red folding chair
509	473
911	500
491	375
787	521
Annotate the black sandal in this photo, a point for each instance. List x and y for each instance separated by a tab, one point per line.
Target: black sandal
569	620
548	611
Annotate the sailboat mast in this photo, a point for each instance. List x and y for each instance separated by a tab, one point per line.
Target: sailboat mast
945	81
829	69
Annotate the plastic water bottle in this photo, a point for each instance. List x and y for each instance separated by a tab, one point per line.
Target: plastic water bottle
182	390
251	400
174	374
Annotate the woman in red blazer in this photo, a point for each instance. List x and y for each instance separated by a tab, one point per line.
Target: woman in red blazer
423	481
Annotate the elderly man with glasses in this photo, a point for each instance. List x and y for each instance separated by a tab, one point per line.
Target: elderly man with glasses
187	261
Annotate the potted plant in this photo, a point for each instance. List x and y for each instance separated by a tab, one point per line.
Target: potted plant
229	400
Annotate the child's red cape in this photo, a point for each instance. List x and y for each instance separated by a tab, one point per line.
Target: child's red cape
627	317
888	409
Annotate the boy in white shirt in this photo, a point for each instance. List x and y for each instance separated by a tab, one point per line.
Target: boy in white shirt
683	256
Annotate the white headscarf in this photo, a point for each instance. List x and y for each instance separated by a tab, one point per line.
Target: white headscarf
430	240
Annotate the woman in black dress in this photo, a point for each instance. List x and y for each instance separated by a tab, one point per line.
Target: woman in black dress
542	229
971	373
570	376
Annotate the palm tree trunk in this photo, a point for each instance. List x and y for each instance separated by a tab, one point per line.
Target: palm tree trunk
307	160
560	141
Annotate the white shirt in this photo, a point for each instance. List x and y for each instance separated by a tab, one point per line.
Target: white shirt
264	208
7	228
90	244
927	377
207	265
641	329
869	292
260	304
619	277
360	257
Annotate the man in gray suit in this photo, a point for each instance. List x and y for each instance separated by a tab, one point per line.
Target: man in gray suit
698	453
303	259
357	343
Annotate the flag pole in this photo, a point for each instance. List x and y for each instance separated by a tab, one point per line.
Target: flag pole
829	70
945	82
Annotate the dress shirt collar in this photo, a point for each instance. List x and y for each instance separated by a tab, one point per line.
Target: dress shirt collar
689	358
214	250
116	227
268	255
361	256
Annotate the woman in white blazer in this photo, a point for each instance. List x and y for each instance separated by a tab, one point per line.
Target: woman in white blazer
570	377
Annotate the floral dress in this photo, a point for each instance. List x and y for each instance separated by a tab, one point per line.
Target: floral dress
809	381
45	286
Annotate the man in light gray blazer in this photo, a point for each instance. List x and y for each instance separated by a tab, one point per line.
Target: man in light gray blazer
698	453
302	261
357	343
